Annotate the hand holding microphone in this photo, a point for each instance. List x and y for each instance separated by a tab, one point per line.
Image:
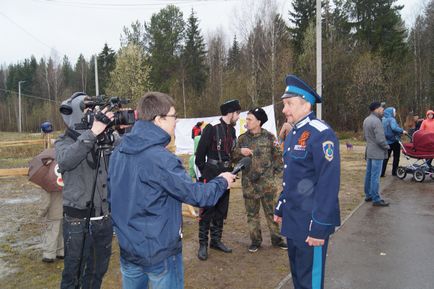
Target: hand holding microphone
230	177
242	164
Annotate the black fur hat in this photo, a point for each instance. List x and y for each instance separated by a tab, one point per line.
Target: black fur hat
260	114
230	106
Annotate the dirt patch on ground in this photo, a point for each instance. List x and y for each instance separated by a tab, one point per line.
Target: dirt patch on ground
21	205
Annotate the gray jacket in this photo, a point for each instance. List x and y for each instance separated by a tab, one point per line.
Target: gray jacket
78	168
376	144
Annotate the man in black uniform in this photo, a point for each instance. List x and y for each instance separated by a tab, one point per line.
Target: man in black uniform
213	156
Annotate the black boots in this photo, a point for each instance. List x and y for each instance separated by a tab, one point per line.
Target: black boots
202	254
216	236
216	228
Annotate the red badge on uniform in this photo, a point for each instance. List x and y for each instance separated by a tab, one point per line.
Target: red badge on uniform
301	143
303	138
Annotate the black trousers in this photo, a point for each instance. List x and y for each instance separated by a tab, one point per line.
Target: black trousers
96	255
217	212
396	149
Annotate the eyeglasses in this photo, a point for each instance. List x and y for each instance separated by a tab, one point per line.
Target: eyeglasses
167	115
170	115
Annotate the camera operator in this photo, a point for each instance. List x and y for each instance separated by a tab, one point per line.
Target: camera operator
76	154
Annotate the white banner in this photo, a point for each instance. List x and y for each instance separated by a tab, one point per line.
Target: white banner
184	142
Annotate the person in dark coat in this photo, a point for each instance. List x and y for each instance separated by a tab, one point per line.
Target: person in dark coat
213	156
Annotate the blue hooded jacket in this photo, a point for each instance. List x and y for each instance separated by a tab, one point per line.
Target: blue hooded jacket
392	130
148	184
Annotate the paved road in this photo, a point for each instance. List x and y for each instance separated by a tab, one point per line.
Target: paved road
386	248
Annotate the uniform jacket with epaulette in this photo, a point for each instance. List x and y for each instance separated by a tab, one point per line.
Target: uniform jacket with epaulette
266	162
309	204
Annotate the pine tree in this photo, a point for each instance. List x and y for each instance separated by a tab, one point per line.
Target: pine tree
194	56
106	63
67	72
234	54
304	13
81	74
164	36
90	81
378	23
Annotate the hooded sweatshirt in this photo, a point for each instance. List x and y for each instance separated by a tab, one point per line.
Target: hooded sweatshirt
428	124
392	130
148	185
76	156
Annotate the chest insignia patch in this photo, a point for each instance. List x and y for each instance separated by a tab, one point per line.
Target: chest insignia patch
328	149
299	148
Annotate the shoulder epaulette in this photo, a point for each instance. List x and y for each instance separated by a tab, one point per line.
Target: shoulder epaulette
319	125
215	122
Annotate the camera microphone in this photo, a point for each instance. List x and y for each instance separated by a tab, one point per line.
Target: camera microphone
241	165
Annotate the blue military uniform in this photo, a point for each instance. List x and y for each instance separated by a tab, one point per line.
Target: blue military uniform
309	204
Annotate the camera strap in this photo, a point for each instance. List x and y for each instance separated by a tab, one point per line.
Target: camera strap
72	134
219	142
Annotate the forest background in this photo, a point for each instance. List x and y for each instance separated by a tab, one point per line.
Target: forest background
368	54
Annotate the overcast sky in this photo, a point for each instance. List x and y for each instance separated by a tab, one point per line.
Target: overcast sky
57	27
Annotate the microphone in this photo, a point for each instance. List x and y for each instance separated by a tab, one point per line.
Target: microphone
242	164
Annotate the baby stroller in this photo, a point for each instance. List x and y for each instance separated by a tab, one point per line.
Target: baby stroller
421	149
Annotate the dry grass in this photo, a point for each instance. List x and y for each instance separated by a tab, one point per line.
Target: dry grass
19	156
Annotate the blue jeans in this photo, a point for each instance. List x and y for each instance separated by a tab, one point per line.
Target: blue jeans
168	274
96	255
372	179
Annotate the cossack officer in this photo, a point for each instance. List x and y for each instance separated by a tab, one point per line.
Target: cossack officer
308	206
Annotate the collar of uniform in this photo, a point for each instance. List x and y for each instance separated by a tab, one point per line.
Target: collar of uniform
304	121
255	134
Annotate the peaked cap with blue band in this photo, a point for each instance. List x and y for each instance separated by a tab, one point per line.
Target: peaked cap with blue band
297	87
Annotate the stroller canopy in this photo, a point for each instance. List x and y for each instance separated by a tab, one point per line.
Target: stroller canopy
423	141
422	146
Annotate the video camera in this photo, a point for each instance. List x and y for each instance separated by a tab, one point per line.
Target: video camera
96	104
93	107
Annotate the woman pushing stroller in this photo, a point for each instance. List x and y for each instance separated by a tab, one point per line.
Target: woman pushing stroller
393	134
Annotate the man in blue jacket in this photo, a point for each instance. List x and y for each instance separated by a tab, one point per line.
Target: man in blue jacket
148	185
393	133
308	206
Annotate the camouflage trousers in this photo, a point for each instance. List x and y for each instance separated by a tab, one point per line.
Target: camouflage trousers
253	220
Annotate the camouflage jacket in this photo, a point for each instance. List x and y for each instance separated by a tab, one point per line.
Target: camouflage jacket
267	165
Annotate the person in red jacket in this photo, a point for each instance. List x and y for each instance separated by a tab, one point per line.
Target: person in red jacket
428	123
196	130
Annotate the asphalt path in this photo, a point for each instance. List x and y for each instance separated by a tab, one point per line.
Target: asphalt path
385	247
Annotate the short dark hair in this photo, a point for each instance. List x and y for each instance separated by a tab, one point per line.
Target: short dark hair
153	104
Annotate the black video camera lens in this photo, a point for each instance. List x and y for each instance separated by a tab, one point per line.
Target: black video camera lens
124	117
